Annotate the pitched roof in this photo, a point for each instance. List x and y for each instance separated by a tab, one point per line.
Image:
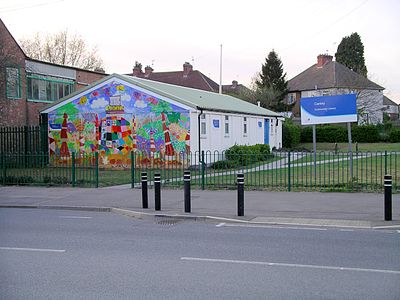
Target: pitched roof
387	101
194	98
194	79
330	75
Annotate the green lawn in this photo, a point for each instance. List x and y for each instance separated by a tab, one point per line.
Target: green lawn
344	147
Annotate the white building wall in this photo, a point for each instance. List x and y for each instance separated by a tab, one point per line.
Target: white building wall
216	139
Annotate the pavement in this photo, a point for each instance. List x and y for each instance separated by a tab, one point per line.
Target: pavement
354	210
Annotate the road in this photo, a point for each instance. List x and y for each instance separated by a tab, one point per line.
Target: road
55	254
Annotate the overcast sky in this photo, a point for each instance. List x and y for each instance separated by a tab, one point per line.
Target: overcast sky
166	33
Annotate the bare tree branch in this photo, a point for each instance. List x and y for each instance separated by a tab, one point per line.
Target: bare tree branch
64	49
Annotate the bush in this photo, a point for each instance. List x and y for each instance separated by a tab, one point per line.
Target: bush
242	155
306	135
365	134
291	135
394	136
331	134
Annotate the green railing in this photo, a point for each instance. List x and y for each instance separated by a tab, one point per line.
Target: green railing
279	171
39	169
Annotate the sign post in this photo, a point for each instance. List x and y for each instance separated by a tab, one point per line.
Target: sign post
327	110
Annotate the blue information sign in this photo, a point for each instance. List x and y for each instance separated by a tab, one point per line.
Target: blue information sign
328	109
216	123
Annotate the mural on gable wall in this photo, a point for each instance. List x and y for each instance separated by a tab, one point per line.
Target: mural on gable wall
115	119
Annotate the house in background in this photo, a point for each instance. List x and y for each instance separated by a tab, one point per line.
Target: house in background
120	114
391	108
187	78
328	78
27	85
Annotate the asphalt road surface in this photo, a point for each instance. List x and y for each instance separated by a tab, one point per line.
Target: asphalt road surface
54	254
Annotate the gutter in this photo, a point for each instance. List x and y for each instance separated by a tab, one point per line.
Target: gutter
198	130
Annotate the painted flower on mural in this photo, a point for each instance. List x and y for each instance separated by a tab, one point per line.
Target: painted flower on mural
95	94
120	88
152	100
83	100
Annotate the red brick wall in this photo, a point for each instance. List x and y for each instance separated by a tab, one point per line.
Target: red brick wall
20	112
84	78
13	112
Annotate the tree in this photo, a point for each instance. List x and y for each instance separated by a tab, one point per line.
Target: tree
271	83
64	49
267	96
350	53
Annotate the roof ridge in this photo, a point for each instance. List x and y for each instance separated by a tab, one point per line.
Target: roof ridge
206	81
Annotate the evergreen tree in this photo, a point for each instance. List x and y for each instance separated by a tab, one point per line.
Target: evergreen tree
350	53
272	79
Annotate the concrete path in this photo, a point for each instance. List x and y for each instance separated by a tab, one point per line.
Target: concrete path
362	210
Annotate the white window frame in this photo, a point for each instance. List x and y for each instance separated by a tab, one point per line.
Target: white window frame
226	126
13	83
245	127
203	125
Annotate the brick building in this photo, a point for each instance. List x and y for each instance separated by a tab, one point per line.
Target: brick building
187	78
27	85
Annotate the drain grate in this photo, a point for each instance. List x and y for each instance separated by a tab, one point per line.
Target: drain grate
168	221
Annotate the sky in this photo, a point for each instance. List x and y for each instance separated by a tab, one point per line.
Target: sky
165	34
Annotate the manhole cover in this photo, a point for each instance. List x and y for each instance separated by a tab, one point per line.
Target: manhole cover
168	221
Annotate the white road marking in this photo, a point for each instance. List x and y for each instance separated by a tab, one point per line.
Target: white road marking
74	217
220	225
247	262
273	227
386	227
347	230
32	249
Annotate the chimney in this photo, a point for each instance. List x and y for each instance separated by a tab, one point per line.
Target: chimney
234	84
187	68
323	59
137	71
147	71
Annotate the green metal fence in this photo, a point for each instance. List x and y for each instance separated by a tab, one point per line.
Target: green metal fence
38	169
23	139
279	171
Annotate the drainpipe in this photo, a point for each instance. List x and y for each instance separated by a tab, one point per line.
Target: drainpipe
198	129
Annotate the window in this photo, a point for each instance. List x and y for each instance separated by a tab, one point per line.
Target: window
226	125
245	126
292	98
13	87
48	88
203	125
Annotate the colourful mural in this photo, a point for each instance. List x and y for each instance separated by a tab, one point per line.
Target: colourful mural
115	119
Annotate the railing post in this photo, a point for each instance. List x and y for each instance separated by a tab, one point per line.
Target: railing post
157	191
73	169
289	183
96	170
144	190
388	197
3	167
202	170
240	194
132	169
186	183
385	161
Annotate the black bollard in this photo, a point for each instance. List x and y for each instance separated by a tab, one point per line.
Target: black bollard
240	194
186	183
144	191
157	191
387	182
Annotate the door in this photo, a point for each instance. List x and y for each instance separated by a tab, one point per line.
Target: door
266	131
